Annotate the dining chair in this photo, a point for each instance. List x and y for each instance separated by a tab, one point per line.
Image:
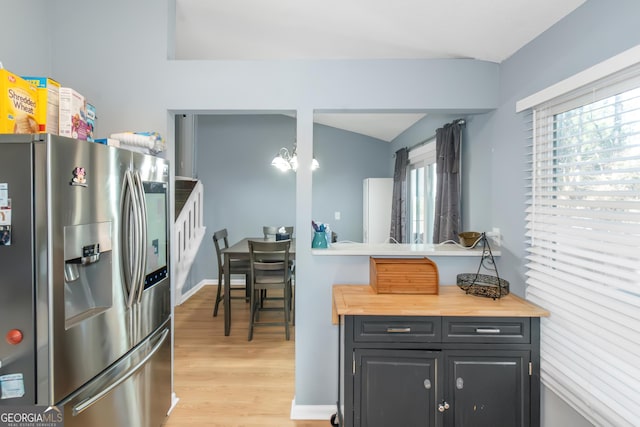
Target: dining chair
236	266
270	270
270	231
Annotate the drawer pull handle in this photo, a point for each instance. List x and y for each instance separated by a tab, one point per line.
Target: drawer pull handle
487	330
398	330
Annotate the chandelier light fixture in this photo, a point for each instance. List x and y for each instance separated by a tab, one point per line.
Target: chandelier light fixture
286	160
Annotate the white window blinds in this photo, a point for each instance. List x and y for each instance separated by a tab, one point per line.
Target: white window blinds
583	262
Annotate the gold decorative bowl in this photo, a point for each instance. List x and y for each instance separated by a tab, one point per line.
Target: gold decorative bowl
468	238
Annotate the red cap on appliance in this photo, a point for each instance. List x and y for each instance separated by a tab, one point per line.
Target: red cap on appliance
14	336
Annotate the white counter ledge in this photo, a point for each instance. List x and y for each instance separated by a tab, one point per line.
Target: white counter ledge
400	250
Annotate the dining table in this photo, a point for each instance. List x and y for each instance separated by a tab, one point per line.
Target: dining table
240	250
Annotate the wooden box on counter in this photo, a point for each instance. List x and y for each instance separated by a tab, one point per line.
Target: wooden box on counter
403	276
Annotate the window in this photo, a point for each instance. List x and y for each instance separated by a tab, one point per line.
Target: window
422	192
583	262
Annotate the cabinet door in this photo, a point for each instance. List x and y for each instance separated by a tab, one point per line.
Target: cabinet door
487	389
396	388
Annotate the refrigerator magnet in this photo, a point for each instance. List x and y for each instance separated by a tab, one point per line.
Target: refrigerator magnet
5	214
11	386
5	225
5	235
79	177
4	194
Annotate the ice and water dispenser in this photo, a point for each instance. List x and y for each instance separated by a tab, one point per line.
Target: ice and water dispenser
87	271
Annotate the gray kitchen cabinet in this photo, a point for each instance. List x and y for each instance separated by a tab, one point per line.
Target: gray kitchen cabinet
487	388
440	371
395	387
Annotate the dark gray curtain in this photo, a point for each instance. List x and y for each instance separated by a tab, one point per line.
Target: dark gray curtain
447	210
399	204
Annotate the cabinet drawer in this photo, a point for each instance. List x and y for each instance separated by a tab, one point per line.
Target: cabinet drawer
486	329
396	329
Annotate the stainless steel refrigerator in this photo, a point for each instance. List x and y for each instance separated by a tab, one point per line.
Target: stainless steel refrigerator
85	306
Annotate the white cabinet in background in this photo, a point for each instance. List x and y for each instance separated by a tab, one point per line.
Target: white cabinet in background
377	195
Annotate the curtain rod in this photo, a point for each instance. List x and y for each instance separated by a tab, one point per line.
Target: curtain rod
461	122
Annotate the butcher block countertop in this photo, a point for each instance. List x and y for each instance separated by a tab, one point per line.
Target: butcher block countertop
361	300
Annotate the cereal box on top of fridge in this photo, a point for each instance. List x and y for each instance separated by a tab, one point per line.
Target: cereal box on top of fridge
48	103
18	104
73	114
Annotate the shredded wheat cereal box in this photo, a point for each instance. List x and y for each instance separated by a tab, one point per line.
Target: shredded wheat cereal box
18	104
48	103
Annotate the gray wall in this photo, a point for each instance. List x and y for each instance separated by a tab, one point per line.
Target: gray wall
25	37
243	191
594	32
116	54
346	159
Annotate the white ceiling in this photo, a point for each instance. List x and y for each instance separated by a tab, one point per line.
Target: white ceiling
384	126
490	30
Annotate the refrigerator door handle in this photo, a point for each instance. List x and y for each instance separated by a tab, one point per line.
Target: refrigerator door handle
138	237
128	239
85	404
142	222
125	233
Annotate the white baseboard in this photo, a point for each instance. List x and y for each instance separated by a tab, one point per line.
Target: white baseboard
191	292
311	412
206	282
174	402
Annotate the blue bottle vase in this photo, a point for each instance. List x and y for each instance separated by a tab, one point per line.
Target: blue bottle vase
319	240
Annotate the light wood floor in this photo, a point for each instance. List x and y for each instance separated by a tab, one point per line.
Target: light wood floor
229	381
